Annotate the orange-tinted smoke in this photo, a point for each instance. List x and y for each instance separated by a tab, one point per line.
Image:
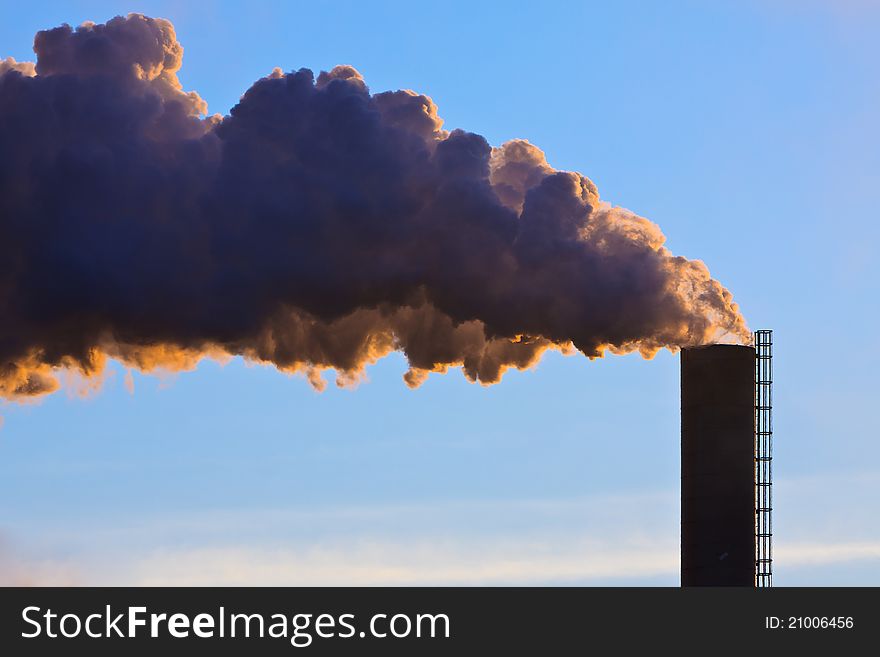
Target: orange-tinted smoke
318	226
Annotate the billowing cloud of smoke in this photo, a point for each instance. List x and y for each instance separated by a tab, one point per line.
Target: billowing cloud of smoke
317	226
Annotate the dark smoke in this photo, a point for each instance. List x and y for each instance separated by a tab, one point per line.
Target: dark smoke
317	226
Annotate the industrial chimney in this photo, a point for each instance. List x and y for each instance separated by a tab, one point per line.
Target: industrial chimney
725	464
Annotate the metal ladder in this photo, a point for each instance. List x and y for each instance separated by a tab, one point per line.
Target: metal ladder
763	458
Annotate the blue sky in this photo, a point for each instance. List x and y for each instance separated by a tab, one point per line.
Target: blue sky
747	131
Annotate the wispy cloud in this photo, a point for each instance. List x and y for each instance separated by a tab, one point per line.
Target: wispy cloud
19	569
575	560
628	539
806	554
581	560
564	541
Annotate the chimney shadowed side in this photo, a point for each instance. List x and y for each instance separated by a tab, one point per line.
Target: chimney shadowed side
717	466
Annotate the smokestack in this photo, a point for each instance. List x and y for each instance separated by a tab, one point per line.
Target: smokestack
718	465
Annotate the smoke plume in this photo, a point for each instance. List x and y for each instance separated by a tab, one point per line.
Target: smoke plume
317	226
